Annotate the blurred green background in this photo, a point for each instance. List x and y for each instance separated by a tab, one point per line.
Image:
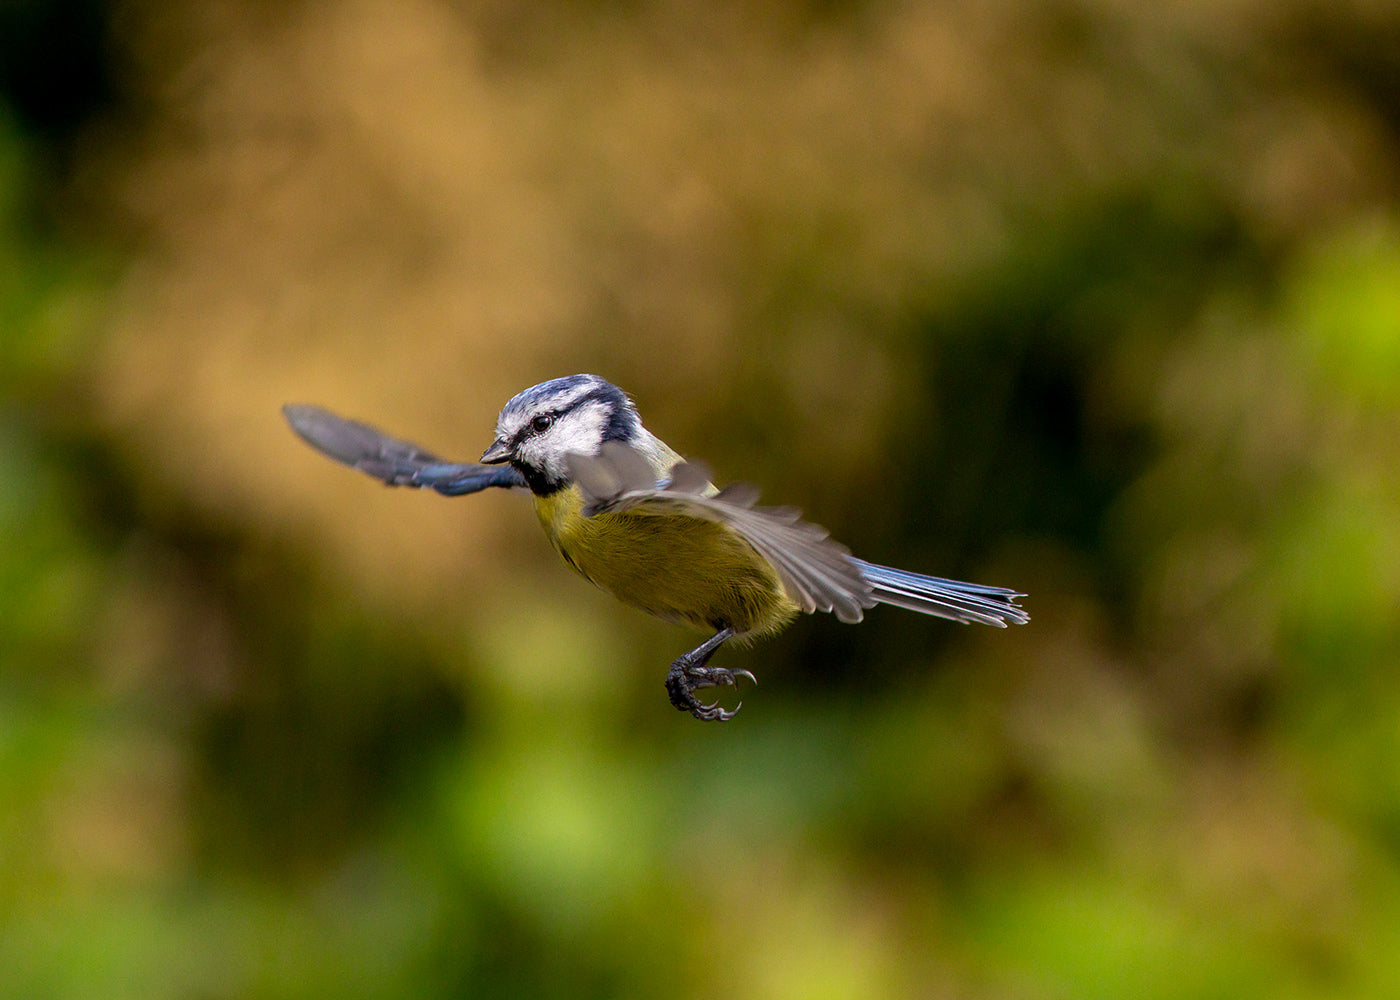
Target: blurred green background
1100	300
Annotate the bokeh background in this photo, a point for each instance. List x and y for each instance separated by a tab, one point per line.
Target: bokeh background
1094	298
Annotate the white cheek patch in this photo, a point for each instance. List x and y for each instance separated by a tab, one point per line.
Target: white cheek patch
580	430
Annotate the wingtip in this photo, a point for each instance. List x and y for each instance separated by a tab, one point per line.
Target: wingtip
300	415
341	439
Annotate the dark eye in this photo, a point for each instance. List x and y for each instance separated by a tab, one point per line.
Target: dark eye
542	423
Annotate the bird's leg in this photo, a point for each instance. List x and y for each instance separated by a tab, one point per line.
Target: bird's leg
689	673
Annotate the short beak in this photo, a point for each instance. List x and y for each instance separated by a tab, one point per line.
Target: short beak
497	453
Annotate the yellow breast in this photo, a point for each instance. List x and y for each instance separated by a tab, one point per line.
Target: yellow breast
682	569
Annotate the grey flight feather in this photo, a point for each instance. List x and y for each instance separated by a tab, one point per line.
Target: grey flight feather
391	461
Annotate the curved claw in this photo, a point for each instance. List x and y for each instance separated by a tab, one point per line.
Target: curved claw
683	683
715	677
713	712
708	677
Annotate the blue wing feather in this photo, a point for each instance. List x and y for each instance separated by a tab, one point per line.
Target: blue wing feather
391	461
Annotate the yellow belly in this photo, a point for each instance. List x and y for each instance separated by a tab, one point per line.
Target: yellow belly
682	569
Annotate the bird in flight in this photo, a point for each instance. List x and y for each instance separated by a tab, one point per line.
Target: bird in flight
629	514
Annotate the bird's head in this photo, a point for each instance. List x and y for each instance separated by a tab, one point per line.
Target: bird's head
575	414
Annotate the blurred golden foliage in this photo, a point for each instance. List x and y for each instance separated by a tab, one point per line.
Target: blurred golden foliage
1094	298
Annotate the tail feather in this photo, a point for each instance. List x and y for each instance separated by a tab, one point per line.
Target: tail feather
933	595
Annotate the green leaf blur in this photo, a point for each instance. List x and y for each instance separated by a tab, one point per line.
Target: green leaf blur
1094	300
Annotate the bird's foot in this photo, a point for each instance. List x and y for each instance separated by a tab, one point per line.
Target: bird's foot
685	679
689	673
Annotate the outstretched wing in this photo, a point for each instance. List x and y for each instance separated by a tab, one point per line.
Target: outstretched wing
394	462
817	573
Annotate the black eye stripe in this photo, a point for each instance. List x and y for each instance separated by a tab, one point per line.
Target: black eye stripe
619	425
532	428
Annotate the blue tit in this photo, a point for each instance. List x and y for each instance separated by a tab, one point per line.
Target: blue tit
632	516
